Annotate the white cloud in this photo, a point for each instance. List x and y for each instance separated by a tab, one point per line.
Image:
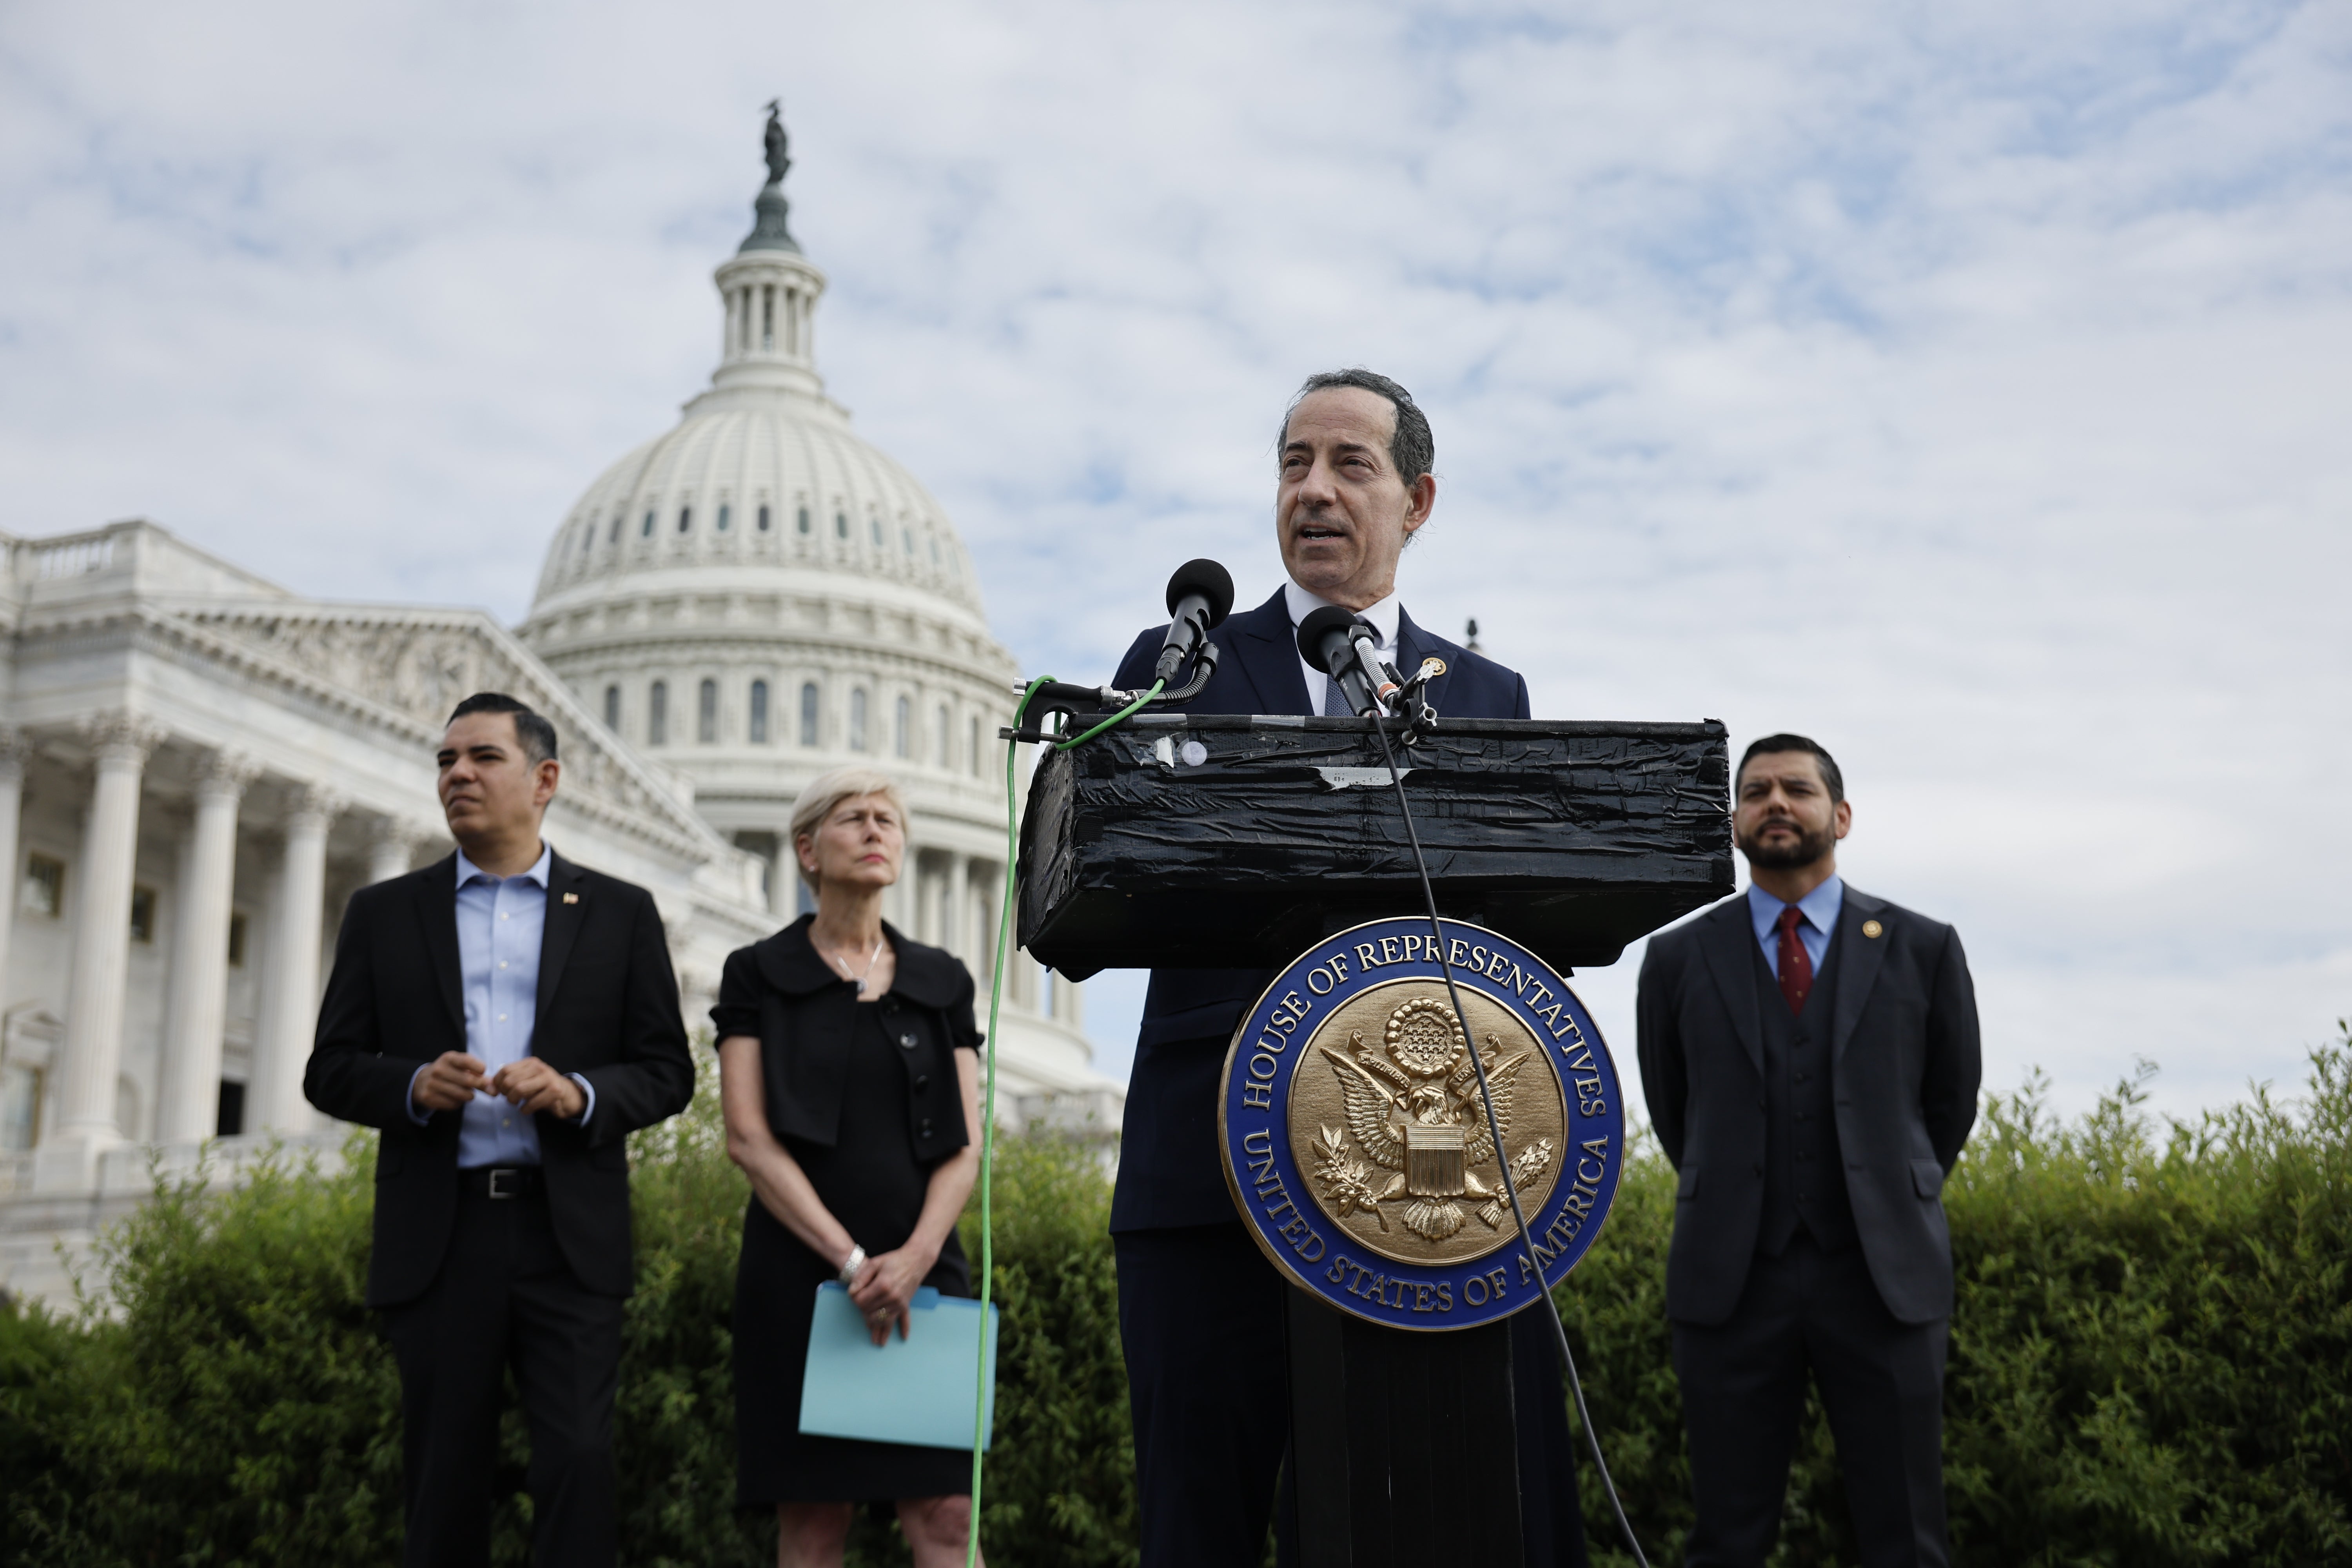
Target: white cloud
1962	387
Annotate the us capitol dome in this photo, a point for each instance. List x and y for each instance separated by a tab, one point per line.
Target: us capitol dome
760	594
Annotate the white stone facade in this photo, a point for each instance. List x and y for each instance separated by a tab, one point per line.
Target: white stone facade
198	767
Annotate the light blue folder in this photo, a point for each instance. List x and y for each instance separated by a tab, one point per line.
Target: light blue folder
916	1390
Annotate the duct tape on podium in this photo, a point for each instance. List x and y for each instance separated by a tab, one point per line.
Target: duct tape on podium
1355	1145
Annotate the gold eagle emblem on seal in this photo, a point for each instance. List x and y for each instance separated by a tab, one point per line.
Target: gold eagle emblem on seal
1385	1117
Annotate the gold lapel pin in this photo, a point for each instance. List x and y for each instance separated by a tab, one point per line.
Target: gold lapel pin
574	898
1869	928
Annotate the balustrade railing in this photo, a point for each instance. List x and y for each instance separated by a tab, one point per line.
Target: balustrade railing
75	555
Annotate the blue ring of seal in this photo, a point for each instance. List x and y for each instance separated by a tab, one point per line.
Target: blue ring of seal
1276	1198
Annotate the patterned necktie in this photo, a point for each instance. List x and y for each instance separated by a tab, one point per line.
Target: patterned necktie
1796	963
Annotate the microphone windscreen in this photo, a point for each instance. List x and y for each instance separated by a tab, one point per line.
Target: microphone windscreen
1315	632
1210	581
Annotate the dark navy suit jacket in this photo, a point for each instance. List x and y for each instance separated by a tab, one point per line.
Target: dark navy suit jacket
1905	1061
1168	1171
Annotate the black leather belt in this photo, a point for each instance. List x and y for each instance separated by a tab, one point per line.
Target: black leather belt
498	1181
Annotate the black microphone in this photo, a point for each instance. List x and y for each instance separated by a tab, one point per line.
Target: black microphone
1199	596
1332	640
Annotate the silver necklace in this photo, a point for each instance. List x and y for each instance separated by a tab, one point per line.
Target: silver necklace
871	960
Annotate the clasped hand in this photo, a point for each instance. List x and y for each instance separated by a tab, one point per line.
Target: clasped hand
885	1289
529	1084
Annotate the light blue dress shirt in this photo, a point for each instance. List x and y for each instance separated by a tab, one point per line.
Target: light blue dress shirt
1819	909
501	923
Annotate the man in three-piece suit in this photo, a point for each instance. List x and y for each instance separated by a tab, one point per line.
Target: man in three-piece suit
1810	1057
507	1019
1200	1311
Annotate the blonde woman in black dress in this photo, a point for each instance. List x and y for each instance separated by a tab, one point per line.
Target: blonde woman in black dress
849	1068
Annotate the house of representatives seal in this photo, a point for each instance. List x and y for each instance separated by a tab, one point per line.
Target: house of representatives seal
1358	1151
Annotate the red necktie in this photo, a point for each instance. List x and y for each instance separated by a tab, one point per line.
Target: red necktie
1796	963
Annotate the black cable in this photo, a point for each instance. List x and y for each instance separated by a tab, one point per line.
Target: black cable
1494	1131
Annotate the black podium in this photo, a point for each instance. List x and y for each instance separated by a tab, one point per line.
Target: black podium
1179	840
1574	838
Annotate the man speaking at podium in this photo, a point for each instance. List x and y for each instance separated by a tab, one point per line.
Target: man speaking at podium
1200	1310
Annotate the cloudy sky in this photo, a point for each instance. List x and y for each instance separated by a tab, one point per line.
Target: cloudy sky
1966	386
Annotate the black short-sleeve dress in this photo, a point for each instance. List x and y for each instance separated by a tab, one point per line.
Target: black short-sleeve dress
865	1095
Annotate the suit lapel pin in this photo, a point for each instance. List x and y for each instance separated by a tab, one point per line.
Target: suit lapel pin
574	898
1869	928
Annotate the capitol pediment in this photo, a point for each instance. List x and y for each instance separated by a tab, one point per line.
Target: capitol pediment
408	668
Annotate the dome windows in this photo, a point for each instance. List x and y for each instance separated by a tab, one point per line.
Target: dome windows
902	729
726	515
615	538
802	522
873	527
613	709
684	518
657	712
705	714
940	739
906	538
763	517
809	712
858	719
759	736
840	522
647	530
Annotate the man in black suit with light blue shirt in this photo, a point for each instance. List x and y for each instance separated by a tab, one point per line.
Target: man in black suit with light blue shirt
1810	1060
1201	1311
507	1019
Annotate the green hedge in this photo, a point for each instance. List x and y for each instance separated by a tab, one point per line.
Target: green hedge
2151	1356
2151	1362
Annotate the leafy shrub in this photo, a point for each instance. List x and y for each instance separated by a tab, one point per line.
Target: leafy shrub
237	1406
2151	1362
2151	1358
227	1398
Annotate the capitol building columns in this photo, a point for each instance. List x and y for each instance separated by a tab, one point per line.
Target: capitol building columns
111	908
197	1018
957	930
785	884
274	1102
13	751
88	1095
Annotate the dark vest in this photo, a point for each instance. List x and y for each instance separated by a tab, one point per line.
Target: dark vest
1804	1173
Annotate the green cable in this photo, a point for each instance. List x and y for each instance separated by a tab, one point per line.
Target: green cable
988	1099
988	1126
1157	687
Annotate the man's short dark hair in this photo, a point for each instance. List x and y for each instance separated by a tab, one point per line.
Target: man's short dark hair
1412	448
533	731
1770	745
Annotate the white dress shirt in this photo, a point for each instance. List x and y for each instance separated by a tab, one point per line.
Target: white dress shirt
1383	618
